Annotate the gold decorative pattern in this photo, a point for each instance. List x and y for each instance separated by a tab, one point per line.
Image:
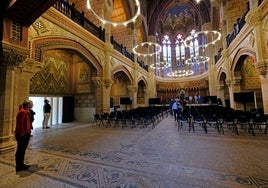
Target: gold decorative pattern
52	79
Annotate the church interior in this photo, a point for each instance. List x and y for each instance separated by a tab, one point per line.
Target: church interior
112	69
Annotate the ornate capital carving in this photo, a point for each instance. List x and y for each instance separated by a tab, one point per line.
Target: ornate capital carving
228	82
132	89
107	83
225	53
236	81
30	66
253	17
97	81
13	56
219	87
261	67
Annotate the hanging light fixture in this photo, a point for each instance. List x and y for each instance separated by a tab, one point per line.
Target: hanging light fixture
183	69
160	65
139	49
114	23
180	73
197	42
207	37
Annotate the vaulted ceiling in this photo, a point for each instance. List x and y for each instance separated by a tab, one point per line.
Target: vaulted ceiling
162	15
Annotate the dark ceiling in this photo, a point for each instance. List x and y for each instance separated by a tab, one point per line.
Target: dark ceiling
26	12
177	14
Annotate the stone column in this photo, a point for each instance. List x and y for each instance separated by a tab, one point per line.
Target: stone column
234	85
151	76
146	97
133	93
107	10
228	81
211	64
106	89
255	18
107	82
253	3
97	81
220	91
15	78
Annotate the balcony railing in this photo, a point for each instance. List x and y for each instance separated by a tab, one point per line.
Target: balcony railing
237	28
79	18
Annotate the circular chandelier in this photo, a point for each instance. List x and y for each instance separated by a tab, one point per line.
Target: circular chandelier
180	73
160	65
214	34
114	23
197	60
157	47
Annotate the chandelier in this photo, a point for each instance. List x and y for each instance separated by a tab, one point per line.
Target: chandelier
180	73
160	65
140	49
114	23
197	60
207	38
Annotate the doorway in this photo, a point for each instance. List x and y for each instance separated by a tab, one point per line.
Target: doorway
56	112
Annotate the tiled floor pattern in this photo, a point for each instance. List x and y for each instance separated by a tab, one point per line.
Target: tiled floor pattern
82	155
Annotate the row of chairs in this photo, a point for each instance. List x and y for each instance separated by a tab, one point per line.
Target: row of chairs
217	117
140	117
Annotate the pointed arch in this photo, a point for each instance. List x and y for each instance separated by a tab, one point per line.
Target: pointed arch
239	57
123	69
220	72
142	78
39	46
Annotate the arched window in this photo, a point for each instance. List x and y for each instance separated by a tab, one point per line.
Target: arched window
182	57
166	49
180	50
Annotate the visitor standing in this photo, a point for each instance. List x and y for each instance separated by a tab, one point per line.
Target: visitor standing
47	111
22	135
31	113
175	109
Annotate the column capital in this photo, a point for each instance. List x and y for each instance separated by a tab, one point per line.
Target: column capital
262	67
236	81
97	81
225	53
253	17
132	89
228	82
13	56
219	87
107	83
233	82
30	66
108	47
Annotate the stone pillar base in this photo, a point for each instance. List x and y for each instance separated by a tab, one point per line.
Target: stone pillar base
7	144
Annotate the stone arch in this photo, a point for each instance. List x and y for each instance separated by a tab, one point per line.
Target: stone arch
123	69
220	73
239	58
44	44
142	78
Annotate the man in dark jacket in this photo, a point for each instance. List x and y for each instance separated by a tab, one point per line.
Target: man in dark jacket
47	111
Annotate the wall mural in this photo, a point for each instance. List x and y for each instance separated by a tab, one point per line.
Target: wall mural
250	75
52	79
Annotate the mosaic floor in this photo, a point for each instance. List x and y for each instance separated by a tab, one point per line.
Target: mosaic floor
83	155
